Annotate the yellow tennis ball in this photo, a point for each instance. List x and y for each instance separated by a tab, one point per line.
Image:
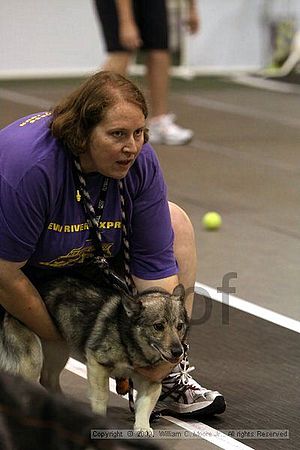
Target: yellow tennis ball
212	220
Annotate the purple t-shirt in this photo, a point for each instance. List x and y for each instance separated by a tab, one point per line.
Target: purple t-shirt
42	222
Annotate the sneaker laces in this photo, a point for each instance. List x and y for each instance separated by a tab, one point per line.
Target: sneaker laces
179	381
183	375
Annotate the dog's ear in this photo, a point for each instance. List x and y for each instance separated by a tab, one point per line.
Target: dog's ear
179	291
131	305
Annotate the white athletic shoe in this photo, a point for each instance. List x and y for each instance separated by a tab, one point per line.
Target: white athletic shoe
163	130
182	395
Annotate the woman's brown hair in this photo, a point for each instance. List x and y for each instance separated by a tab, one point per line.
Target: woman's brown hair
75	117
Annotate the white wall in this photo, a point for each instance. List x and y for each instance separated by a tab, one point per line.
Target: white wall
62	37
49	36
230	35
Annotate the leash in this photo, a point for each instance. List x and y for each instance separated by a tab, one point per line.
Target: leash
123	285
130	396
124	386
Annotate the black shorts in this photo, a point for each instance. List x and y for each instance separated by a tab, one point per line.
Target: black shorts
150	16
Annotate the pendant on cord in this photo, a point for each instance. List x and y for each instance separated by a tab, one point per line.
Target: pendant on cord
78	196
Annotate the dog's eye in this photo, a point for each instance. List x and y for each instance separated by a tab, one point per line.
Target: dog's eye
159	326
180	326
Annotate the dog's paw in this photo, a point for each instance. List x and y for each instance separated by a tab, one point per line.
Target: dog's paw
140	432
99	408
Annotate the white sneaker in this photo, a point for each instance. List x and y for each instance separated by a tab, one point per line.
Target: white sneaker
182	395
163	130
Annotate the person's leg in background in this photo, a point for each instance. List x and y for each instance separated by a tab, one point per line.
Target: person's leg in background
181	394
152	23
118	58
155	35
118	62
158	64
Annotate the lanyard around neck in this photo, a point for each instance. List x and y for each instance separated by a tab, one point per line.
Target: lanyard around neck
123	284
102	197
84	197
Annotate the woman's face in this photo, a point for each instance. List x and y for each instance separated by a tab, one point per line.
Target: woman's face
115	142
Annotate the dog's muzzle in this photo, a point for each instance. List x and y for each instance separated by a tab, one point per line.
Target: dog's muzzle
174	356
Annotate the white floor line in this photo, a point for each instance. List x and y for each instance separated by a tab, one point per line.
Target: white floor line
235	153
244	111
79	369
24	99
211	435
250	308
205	432
216	105
263	83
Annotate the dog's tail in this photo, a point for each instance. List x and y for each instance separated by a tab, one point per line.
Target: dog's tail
20	349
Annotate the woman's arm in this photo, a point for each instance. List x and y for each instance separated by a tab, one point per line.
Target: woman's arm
168	283
20	298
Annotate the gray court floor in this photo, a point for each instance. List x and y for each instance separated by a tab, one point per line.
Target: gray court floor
244	163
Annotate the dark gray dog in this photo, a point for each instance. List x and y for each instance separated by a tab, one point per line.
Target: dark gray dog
118	335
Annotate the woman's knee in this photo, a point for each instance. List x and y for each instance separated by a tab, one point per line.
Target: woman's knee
181	223
185	252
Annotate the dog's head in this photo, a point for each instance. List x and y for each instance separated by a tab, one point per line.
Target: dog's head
159	322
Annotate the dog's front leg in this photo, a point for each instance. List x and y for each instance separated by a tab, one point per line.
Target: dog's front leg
148	393
56	354
98	379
